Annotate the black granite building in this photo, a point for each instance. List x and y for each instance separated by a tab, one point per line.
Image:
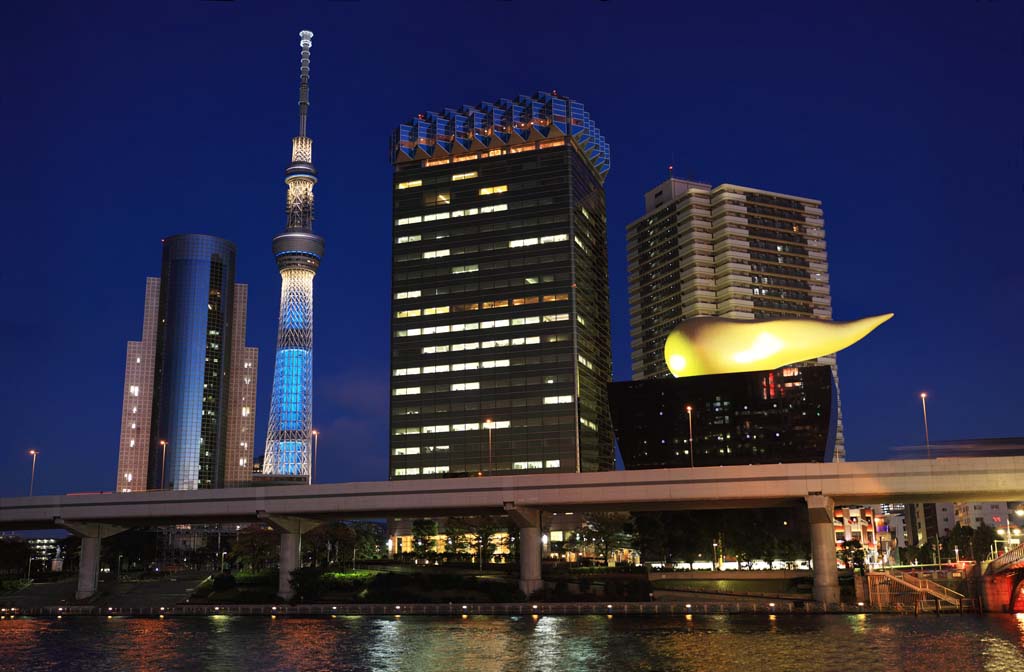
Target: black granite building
762	417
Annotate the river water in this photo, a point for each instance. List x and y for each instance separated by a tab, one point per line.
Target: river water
796	643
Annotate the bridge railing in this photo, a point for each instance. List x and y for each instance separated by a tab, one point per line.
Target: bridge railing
1012	556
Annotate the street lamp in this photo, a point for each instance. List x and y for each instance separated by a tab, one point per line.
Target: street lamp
163	462
924	410
32	481
689	415
489	424
316	440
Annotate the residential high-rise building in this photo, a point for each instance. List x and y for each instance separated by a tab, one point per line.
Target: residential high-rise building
501	341
190	384
726	251
298	252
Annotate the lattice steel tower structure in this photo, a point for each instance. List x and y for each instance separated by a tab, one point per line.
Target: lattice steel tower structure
297	251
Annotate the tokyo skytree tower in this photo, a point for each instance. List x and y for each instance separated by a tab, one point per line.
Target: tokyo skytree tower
297	251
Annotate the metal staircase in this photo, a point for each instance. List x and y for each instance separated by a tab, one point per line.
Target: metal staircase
887	588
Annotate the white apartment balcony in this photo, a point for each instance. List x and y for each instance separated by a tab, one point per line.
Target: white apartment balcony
813	210
734	292
822	300
817	255
814	229
736	306
819	289
729	198
696	282
704	308
723	246
694	237
723	219
732	267
823	313
731	256
819	267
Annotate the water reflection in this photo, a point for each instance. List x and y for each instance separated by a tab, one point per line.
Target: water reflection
549	643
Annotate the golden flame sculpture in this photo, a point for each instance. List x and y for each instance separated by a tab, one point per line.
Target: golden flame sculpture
702	346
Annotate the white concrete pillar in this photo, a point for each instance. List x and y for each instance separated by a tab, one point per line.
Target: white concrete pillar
291	529
821	512
528	522
529	560
289	562
88	568
89	562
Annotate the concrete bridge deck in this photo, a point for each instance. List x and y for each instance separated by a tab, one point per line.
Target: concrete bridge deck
949	479
295	509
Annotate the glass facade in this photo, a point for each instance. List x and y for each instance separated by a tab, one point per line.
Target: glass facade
763	417
192	362
500	317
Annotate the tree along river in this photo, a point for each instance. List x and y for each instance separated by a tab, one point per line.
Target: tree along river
748	643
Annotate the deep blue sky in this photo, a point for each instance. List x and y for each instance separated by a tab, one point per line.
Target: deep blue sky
126	122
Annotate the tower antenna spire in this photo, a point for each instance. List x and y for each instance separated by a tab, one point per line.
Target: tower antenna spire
305	41
298	252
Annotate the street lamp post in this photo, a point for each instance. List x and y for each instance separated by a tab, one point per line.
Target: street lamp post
689	415
32	481
924	410
312	472
490	446
163	462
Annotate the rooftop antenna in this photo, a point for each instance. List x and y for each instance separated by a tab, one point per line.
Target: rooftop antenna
305	41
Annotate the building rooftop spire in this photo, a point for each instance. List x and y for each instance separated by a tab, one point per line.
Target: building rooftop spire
305	41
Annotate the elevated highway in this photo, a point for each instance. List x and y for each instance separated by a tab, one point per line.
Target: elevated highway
295	509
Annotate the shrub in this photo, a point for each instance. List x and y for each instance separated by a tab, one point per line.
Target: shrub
223	581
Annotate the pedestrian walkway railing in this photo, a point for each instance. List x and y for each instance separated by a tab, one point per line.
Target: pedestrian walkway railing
514	609
1011	557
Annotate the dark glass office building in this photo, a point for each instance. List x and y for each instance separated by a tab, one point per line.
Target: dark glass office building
190	383
500	321
762	417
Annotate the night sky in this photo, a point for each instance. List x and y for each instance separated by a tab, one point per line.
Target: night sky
124	123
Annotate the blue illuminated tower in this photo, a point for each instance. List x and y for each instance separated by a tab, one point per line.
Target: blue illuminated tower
297	251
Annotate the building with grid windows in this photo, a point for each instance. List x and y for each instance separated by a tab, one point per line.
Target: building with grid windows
726	251
188	414
500	318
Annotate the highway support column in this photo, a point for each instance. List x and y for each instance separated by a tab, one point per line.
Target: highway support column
528	522
291	529
821	512
91	535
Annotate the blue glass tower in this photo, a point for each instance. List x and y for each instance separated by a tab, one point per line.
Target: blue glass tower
193	358
297	251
